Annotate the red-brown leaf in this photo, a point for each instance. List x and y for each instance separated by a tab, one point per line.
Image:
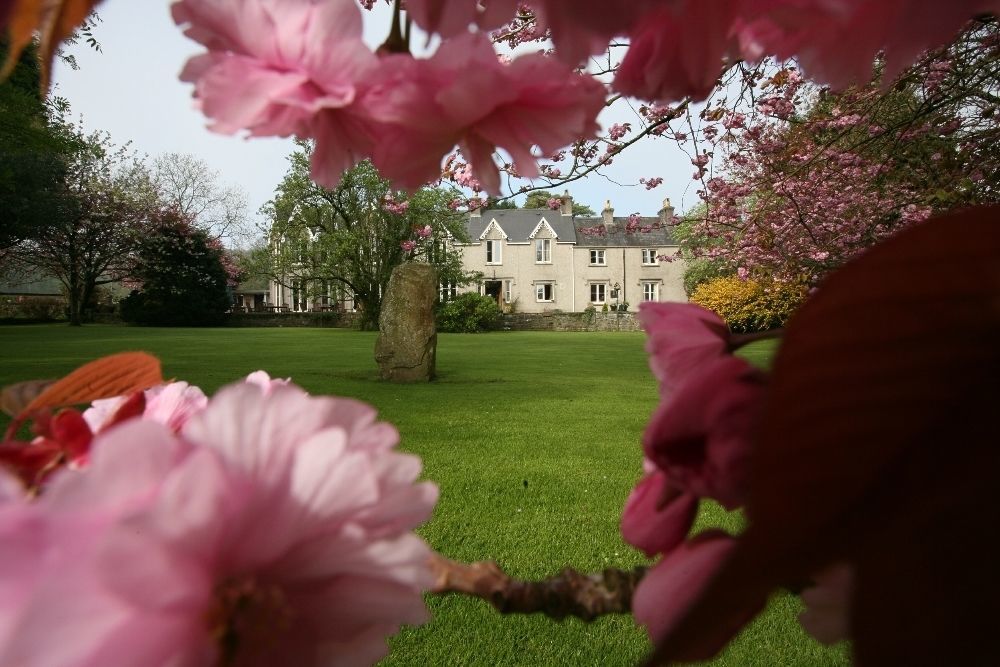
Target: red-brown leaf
109	376
878	446
53	20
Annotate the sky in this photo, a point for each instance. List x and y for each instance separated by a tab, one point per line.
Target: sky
131	90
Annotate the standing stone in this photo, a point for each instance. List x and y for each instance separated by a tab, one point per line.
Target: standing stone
407	338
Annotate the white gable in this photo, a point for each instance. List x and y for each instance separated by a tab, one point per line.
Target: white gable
538	228
493	225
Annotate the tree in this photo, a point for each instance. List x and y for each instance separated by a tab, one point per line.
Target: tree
182	275
187	183
33	152
500	203
103	206
353	236
810	178
545	199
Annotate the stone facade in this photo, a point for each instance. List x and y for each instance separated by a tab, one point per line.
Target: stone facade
538	261
543	260
570	322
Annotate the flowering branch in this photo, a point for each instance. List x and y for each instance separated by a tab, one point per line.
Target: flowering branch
569	593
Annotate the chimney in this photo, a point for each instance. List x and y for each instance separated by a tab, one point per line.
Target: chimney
566	207
608	213
476	207
667	212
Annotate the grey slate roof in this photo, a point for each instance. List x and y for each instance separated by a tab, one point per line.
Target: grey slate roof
518	223
615	235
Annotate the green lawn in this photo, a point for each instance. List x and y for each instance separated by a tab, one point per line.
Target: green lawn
532	437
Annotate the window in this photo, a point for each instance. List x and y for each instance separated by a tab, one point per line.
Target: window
508	288
447	291
598	292
494	252
544	292
649	291
300	300
543	252
649	256
598	258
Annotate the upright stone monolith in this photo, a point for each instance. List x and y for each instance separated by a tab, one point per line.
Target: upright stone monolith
407	339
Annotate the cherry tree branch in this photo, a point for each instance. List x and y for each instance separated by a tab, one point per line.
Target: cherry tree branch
569	593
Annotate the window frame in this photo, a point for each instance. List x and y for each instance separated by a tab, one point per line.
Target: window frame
653	254
540	289
601	288
598	254
655	288
543	251
494	249
447	290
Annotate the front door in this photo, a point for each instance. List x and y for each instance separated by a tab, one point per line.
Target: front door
494	289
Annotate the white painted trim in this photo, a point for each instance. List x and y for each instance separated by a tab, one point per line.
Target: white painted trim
538	228
493	223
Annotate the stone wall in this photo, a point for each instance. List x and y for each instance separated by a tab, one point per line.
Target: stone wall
339	320
570	322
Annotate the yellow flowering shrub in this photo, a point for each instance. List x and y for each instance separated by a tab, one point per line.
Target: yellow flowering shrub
750	305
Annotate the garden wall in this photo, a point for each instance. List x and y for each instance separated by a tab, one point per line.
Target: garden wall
32	308
340	320
570	322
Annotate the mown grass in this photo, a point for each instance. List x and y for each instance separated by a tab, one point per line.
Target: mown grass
532	437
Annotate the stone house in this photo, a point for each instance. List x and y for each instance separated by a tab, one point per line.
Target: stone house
539	260
544	260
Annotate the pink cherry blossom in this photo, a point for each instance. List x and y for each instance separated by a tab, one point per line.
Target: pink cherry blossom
836	42
681	338
171	404
274	529
828	604
668	60
657	515
280	68
463	95
265	382
700	434
408	246
453	17
669	588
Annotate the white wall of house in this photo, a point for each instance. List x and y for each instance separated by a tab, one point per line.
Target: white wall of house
637	272
543	262
580	270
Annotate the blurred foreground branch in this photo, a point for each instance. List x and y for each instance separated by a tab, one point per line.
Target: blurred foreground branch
570	593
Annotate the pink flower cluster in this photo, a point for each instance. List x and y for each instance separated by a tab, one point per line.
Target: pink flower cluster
262	526
618	130
395	206
697	445
299	67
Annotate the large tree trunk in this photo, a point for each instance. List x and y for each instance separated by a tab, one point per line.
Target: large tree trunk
74	293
